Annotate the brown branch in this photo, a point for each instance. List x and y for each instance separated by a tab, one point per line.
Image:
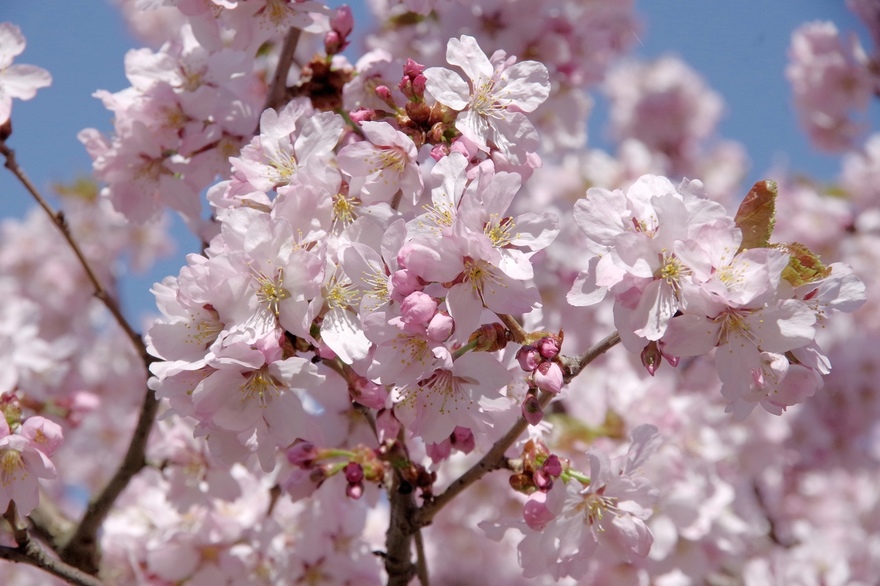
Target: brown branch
61	224
31	552
277	94
81	549
398	539
421	560
574	365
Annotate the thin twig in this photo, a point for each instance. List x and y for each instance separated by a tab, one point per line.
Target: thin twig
421	561
31	552
278	89
82	548
517	332
58	219
574	366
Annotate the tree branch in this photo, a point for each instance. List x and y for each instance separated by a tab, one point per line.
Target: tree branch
32	553
277	94
58	219
81	549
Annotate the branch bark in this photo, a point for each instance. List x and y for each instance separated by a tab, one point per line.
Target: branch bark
32	553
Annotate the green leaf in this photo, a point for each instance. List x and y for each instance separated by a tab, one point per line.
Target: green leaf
757	215
804	265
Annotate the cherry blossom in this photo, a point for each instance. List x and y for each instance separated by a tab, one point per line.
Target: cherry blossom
16	81
494	99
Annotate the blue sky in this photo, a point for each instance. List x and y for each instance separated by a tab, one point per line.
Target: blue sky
739	47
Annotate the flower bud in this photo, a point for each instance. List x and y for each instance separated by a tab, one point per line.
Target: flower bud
552	466
548	377
548	346
418	308
354	491
440	327
302	454
463	439
528	358
353	472
362	115
531	410
542	480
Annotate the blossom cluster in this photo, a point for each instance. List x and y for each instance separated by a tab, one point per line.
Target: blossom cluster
688	278
377	318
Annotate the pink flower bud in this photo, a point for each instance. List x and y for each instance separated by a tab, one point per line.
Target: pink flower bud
531	410
542	480
333	43
528	358
418	308
413	69
552	466
343	21
536	513
403	283
302	454
384	94
548	377
418	85
548	347
353	472
362	115
463	439
440	327
354	491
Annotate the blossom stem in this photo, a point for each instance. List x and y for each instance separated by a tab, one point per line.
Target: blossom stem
518	334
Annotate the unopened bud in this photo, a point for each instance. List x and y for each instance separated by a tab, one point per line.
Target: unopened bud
552	466
548	377
531	410
353	472
548	346
528	358
489	338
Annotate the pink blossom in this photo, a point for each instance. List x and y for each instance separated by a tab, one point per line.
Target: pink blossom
16	81
24	458
386	162
493	102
